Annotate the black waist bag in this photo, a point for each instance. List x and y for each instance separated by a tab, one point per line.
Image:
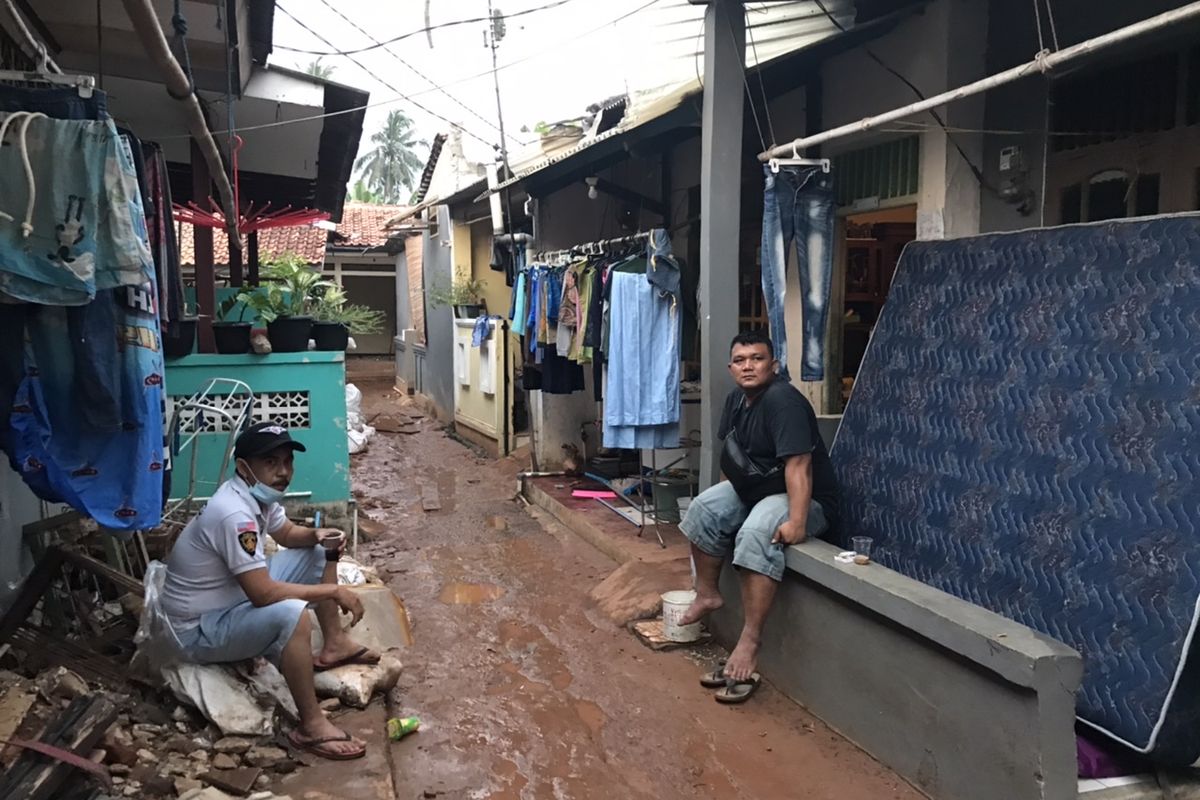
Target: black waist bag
751	480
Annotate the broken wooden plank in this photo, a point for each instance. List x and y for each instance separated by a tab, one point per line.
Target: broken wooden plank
103	570
650	633
235	781
35	586
36	776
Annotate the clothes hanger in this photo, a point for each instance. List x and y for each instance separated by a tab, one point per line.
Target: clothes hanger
85	84
798	161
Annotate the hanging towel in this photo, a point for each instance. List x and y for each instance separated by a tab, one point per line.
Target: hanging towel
85	227
642	406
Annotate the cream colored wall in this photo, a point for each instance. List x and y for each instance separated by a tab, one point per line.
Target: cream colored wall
472	405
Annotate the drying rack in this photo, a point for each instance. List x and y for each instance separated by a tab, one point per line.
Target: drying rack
84	84
598	247
227	398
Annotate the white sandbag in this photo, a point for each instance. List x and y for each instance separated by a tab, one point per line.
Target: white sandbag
355	685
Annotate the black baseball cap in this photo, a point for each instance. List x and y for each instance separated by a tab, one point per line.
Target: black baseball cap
263	437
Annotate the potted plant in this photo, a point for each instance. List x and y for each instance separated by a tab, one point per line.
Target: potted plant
466	298
336	320
179	336
285	305
232	336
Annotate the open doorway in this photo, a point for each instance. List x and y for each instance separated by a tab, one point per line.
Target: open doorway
874	241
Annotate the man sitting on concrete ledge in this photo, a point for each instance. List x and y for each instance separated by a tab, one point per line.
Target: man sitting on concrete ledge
780	488
228	603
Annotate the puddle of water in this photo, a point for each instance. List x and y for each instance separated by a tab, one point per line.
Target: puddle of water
465	594
591	715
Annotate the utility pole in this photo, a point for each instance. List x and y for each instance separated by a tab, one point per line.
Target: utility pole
720	212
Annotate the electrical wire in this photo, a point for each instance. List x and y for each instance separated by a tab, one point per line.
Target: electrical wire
979	176
418	72
1037	16
762	87
407	97
419	31
401	94
1053	26
746	83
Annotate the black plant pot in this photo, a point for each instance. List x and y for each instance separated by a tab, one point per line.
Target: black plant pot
330	336
469	311
184	340
232	337
289	334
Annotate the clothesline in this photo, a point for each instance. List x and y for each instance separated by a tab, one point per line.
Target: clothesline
598	246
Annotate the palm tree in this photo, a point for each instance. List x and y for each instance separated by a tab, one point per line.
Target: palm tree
361	194
393	165
319	70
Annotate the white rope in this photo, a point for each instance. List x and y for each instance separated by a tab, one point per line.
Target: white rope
22	145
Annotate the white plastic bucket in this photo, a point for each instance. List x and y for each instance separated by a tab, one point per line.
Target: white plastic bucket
675	605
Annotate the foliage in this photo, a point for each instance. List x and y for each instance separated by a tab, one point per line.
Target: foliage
319	70
361	194
293	289
392	166
331	306
468	293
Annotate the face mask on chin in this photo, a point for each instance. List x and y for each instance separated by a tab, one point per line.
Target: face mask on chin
260	491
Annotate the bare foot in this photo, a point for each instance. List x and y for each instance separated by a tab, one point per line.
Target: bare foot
307	735
702	606
743	661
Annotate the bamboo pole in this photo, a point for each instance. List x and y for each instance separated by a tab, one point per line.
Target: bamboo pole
1044	62
145	22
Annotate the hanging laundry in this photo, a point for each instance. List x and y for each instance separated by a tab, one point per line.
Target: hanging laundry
72	222
89	432
642	406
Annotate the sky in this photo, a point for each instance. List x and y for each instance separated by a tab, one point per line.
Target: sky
553	62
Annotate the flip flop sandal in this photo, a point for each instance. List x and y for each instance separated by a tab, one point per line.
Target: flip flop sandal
714	679
359	658
738	691
316	747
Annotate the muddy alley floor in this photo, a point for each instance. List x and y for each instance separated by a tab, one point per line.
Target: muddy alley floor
526	690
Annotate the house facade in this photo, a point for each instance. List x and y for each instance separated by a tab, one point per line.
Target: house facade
1112	136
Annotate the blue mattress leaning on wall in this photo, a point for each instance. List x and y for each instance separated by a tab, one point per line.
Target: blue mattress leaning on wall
1025	434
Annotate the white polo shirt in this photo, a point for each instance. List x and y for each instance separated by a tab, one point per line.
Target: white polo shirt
221	542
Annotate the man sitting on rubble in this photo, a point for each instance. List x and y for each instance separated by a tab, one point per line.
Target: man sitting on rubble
228	603
779	489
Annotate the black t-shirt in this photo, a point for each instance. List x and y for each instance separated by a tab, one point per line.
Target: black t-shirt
779	424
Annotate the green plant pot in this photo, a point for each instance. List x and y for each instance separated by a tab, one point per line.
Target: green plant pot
289	334
332	336
232	337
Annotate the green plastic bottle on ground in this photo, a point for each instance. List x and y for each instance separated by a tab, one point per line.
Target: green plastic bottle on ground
398	728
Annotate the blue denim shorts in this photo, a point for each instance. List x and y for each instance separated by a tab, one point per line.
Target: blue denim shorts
717	521
245	631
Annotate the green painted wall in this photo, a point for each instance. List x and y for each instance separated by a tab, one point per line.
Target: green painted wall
309	385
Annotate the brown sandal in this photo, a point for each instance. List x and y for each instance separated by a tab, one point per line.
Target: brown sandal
362	657
316	747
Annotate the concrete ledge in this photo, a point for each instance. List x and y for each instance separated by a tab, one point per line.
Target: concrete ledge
960	701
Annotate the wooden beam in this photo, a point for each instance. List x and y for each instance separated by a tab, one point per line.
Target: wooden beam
202	237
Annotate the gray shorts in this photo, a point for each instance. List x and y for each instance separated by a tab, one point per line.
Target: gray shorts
245	631
717	521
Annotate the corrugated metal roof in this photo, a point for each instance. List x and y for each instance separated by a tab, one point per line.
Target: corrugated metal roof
773	30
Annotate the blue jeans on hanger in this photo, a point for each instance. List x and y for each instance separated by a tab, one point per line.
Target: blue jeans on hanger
798	206
61	103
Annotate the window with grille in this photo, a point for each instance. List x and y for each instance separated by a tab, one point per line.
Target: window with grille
885	171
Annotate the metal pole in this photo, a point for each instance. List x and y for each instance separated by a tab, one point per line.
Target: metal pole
1044	62
720	212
